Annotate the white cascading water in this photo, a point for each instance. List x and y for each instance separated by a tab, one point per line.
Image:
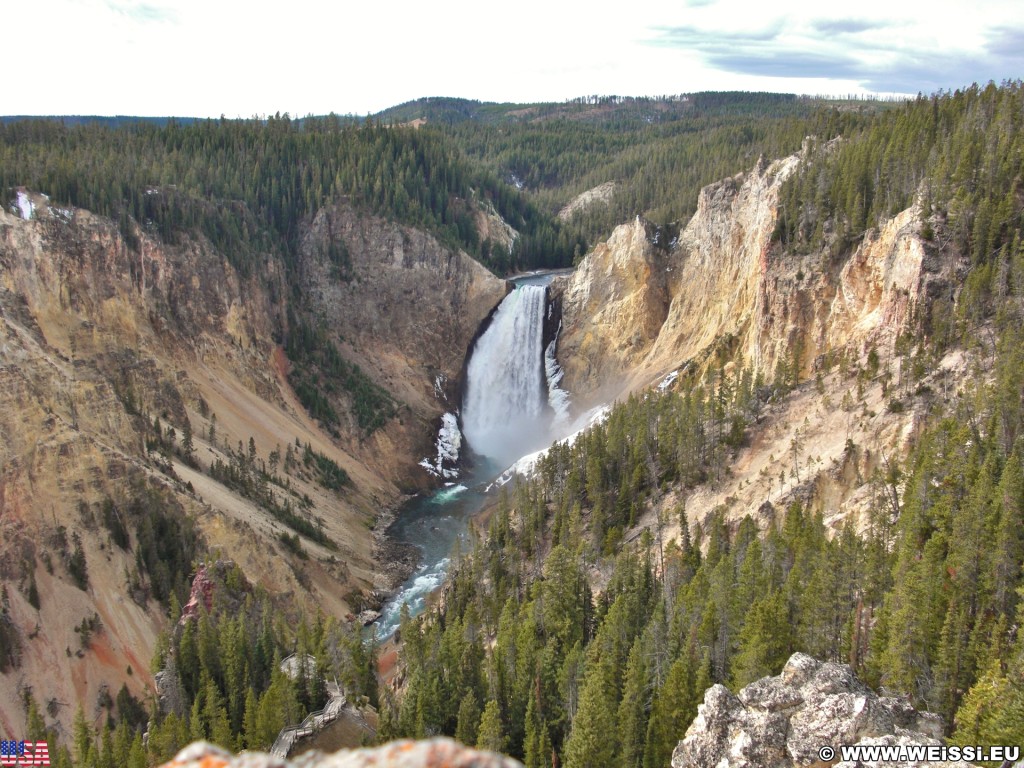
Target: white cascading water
513	406
505	411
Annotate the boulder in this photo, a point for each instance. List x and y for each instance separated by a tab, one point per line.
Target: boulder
784	721
432	753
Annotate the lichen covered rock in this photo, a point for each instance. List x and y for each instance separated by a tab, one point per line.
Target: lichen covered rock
784	721
432	753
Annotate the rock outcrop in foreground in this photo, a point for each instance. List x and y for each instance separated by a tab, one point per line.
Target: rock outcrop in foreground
784	721
435	753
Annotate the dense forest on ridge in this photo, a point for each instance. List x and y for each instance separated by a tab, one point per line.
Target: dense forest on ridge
247	185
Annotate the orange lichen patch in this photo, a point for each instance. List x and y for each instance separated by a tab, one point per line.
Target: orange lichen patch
200	755
432	753
209	761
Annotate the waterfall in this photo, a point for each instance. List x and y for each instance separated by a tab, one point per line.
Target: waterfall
505	411
512	406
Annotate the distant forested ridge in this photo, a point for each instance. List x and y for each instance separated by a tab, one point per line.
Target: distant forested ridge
247	185
660	152
958	153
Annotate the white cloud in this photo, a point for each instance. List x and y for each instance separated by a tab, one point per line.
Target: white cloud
208	57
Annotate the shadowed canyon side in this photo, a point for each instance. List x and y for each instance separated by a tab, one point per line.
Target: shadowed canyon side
406	309
131	370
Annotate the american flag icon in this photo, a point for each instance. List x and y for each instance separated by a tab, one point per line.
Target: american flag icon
24	753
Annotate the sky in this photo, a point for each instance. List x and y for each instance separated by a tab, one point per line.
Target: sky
206	58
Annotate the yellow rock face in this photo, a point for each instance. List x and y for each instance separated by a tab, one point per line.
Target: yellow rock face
647	303
636	309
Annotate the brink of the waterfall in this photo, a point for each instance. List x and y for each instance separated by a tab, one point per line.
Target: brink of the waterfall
505	411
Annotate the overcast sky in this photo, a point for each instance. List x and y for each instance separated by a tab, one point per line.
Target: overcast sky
212	57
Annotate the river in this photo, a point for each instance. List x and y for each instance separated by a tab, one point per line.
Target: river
510	385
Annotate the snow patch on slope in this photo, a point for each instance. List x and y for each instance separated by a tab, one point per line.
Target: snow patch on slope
449	443
25	207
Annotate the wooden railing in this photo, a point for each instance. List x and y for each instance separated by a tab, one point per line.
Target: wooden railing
314	721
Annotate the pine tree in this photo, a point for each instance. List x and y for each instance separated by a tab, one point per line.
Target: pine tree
81	737
197	726
35	725
674	707
136	753
468	723
634	708
536	742
106	749
491	735
167	738
765	641
593	741
249	721
1009	543
277	708
216	718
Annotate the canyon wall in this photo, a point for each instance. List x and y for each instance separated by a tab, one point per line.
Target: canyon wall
646	302
108	335
406	308
723	294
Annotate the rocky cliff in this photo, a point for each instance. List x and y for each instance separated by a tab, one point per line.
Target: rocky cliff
645	303
406	309
113	349
723	294
613	308
787	721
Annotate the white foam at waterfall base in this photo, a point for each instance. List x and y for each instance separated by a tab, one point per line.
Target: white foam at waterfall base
526	465
449	493
449	443
505	412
